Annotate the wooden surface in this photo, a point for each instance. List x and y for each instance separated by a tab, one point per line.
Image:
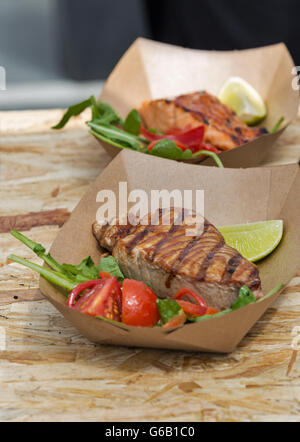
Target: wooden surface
48	371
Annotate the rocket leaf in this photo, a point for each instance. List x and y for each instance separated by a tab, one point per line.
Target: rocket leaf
132	123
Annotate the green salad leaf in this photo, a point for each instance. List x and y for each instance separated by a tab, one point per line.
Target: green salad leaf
168	149
66	275
84	271
168	309
246	297
111	132
110	265
103	125
206	317
73	111
132	123
103	113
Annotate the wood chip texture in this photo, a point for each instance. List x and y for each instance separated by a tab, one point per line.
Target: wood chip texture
49	372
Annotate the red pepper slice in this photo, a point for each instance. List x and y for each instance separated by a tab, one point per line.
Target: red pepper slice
191	136
79	289
138	304
151	136
184	138
198	309
187	137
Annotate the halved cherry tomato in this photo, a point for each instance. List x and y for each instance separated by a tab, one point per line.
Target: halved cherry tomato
104	299
138	304
198	309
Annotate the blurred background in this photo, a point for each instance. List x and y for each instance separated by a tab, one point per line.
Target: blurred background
58	52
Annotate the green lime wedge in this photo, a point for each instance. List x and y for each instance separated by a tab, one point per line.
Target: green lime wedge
238	94
254	240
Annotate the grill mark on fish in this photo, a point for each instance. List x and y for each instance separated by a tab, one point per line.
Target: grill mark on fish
174	227
254	274
188	248
208	259
231	267
234	138
139	236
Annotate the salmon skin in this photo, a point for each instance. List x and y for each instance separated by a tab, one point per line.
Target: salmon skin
223	128
164	255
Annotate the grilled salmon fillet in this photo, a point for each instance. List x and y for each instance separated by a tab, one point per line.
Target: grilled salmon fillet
223	128
164	255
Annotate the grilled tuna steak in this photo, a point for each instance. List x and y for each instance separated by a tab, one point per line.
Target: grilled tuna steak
163	255
223	128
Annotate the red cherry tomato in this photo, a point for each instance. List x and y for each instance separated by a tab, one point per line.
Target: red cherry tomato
138	304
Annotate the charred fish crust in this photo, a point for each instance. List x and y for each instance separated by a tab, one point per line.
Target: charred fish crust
208	260
173	229
254	277
184	253
192	243
231	267
238	130
121	232
235	139
205	120
196	113
263	131
254	285
139	236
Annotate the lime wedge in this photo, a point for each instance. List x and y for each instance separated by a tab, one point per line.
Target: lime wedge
254	240
238	94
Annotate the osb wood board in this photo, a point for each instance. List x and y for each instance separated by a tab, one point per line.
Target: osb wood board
48	371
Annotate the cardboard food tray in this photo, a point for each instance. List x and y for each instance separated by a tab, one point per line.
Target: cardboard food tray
231	196
151	70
